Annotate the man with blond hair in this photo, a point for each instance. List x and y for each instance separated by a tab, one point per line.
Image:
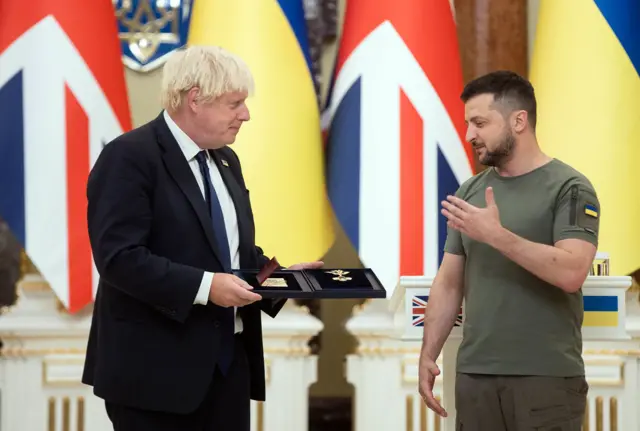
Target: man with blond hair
176	339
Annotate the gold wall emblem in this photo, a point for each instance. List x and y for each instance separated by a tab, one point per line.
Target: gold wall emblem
150	30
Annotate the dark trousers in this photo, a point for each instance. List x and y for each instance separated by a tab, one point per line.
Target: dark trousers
226	406
527	403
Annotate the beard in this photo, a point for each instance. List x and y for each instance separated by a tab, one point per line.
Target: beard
501	153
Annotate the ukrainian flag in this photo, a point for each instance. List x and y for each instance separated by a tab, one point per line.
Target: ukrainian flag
585	70
600	310
281	147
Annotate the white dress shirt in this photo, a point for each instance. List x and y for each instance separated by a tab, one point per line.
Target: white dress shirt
190	149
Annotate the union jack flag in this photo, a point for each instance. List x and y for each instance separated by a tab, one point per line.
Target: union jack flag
419	304
395	133
62	95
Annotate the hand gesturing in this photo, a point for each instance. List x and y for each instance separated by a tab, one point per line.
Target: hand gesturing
477	223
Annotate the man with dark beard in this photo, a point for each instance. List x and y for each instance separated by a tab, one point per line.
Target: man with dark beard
522	236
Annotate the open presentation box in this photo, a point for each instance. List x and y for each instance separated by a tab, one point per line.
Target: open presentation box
316	283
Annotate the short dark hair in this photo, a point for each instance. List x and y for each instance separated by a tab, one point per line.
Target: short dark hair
508	88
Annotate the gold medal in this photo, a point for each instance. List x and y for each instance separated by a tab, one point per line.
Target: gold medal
275	282
339	275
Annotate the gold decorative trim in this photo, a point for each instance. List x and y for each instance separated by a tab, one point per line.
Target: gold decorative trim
423	417
47	336
409	412
81	413
260	416
47	363
438	419
52	414
19	352
613	414
603	361
408	377
606	363
267	371
288	351
34	286
66	414
613	352
586	425
366	350
302	339
599	414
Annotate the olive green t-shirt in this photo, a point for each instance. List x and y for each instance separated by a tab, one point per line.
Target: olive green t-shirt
516	323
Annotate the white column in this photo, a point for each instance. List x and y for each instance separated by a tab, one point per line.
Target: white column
375	369
290	369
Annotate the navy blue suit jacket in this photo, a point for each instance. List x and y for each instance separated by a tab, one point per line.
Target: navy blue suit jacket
152	239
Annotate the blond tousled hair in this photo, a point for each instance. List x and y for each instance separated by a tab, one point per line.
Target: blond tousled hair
212	69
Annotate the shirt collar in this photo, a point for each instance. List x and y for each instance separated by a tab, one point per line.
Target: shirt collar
189	148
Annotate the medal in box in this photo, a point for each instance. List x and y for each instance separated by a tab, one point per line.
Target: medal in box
351	283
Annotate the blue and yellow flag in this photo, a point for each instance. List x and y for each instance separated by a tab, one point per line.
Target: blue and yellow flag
585	70
280	148
600	310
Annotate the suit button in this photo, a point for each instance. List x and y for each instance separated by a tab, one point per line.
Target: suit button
216	324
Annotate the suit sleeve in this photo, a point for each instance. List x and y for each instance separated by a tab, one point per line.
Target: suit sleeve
119	217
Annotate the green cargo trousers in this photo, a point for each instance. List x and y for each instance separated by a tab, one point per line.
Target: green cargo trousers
514	403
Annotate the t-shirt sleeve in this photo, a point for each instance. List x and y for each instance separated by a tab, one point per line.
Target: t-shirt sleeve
577	214
453	243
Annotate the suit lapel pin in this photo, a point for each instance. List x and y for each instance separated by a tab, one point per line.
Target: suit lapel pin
224	162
